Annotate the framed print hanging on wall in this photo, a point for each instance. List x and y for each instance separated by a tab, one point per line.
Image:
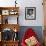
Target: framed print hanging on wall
30	13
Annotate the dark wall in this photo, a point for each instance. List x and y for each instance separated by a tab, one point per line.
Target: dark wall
37	29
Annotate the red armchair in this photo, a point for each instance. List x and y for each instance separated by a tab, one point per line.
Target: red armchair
29	34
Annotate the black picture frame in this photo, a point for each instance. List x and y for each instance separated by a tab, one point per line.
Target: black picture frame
30	13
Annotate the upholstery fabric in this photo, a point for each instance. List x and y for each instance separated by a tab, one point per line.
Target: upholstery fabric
29	33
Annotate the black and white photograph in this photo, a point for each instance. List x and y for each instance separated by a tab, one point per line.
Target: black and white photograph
30	13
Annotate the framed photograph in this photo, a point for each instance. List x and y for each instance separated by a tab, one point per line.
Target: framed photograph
13	12
13	20
10	19
30	13
5	12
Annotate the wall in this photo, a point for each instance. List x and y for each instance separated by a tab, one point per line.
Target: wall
27	3
39	12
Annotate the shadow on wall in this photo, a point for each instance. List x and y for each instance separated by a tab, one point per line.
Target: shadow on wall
37	29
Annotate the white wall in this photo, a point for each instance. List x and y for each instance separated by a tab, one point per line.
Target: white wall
39	12
27	3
